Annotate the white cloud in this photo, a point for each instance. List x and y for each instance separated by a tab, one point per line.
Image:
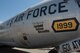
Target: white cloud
0	22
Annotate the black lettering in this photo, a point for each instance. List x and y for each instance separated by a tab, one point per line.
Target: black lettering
78	2
61	6
75	46
18	19
60	26
36	12
70	24
41	25
43	10
40	28
79	42
66	47
51	8
8	23
21	17
43	31
15	20
29	13
65	25
11	22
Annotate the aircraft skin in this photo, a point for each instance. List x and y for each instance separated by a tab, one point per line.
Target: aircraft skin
47	24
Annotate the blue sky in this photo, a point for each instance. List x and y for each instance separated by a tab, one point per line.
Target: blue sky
10	8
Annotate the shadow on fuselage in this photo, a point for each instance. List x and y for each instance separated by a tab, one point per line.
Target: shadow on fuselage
10	50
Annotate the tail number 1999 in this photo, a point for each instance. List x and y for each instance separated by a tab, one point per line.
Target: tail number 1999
70	24
64	25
